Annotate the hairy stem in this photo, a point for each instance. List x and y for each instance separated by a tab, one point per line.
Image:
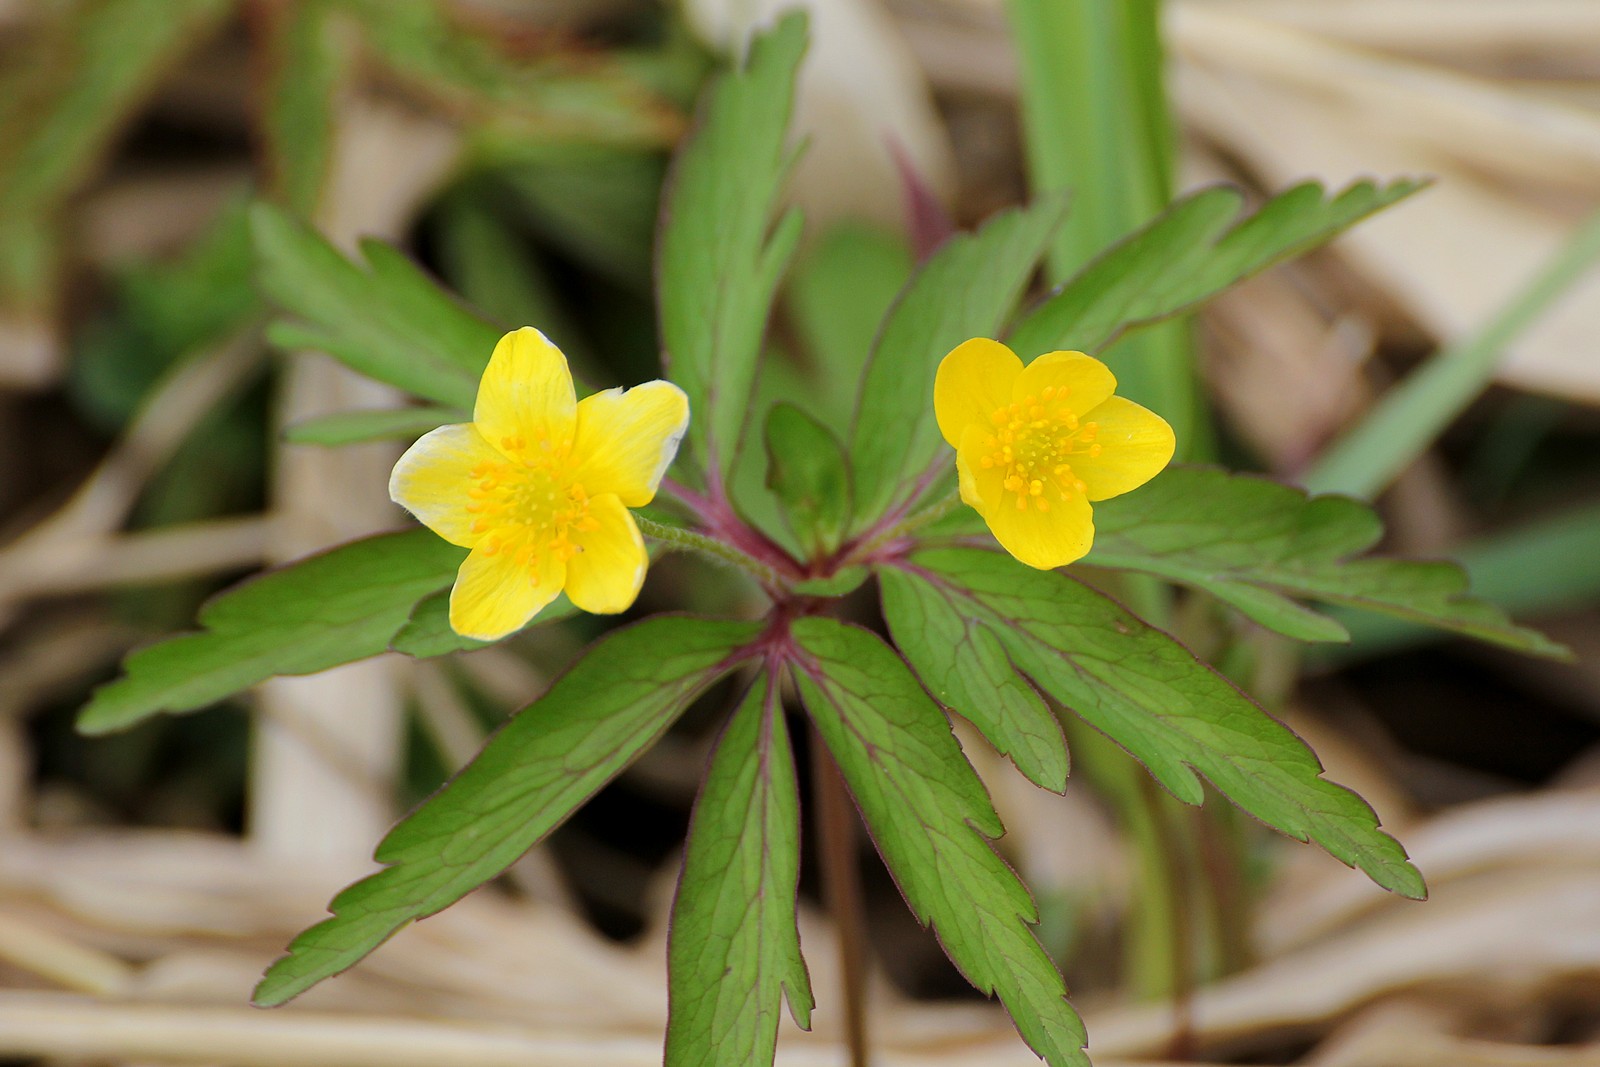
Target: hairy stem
678	537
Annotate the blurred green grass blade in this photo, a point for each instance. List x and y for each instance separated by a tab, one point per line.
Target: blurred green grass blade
489	260
1545	567
509	99
838	295
1409	417
597	204
1097	125
60	108
353	427
309	55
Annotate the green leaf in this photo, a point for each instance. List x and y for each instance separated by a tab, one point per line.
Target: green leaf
806	471
64	97
734	947
967	289
385	318
328	609
351	427
721	258
1188	254
1255	543
533	773
427	632
838	295
1149	694
966	668
932	822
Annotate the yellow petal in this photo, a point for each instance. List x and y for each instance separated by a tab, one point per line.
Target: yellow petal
605	576
497	593
432	478
1085	380
1042	539
973	381
978	483
1135	444
525	394
626	440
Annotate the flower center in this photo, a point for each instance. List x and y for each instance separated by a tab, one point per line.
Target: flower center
1033	444
527	503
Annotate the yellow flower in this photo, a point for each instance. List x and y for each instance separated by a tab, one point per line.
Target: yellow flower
539	486
1036	445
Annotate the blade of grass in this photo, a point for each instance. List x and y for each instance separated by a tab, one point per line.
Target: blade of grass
1402	425
1097	124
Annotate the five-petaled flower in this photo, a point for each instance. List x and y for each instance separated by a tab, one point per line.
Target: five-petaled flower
1036	445
538	486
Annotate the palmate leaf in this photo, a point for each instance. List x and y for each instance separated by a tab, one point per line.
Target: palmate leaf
328	609
932	822
734	950
534	772
1191	252
1139	687
1256	543
720	256
387	320
967	289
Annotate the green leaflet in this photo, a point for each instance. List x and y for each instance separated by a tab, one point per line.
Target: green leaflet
933	822
1255	543
967	289
966	668
534	772
427	632
1188	254
720	256
1148	693
328	609
807	474
62	102
734	948
388	321
351	427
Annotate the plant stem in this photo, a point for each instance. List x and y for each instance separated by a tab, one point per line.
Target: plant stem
841	884
721	551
